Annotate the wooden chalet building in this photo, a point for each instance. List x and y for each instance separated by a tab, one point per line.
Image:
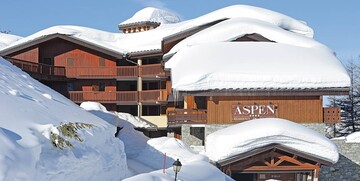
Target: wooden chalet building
147	83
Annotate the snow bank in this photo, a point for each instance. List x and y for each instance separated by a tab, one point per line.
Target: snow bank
353	137
7	39
153	15
255	65
145	157
30	113
249	135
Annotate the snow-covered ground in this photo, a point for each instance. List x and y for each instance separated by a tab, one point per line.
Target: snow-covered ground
30	116
145	157
353	137
249	135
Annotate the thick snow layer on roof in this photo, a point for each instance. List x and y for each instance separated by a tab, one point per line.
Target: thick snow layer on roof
235	28
249	135
353	137
30	111
153	15
245	11
145	157
255	65
7	39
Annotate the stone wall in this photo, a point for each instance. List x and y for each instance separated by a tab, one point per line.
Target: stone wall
348	166
193	135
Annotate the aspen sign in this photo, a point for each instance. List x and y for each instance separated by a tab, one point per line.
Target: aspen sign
246	112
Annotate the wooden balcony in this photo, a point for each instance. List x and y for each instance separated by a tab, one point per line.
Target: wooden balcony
126	72
152	70
97	96
127	97
38	70
153	96
187	116
91	72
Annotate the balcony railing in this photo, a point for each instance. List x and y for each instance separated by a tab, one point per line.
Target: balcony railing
152	70
127	72
91	72
119	97
38	68
99	96
127	96
153	95
187	116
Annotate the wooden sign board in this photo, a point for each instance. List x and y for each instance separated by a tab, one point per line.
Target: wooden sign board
247	112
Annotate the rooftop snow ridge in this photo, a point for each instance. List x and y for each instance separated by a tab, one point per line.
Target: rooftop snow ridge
151	14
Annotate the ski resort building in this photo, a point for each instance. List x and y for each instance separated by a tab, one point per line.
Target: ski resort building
194	77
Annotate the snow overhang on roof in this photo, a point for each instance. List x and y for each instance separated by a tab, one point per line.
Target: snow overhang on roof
255	66
257	134
150	16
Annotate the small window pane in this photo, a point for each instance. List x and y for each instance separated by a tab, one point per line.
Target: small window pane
70	62
101	62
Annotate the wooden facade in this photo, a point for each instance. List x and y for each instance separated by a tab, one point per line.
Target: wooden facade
301	109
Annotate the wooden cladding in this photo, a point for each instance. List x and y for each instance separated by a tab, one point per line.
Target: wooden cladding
332	114
152	70
120	97
301	109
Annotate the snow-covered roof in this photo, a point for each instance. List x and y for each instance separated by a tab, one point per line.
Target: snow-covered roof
255	65
151	14
254	134
7	39
151	40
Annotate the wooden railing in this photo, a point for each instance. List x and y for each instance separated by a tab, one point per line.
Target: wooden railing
127	96
99	96
91	72
38	68
152	70
153	95
187	116
127	71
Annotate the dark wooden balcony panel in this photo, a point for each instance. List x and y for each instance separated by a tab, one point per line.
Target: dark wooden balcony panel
153	96
187	116
127	72
126	97
91	72
152	70
97	96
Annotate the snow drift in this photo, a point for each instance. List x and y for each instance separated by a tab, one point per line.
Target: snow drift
249	135
31	114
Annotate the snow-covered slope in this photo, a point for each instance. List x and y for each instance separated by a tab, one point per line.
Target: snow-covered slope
153	15
249	135
30	116
255	65
7	39
145	157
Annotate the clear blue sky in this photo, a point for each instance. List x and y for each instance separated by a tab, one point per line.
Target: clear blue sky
336	23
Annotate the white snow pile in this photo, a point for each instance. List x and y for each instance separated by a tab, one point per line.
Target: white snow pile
249	135
31	114
255	65
353	137
153	15
7	39
135	121
145	157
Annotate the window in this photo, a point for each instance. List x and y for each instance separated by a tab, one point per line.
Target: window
48	61
70	62
101	62
101	86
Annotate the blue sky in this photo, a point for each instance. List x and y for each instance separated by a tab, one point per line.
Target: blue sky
336	22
